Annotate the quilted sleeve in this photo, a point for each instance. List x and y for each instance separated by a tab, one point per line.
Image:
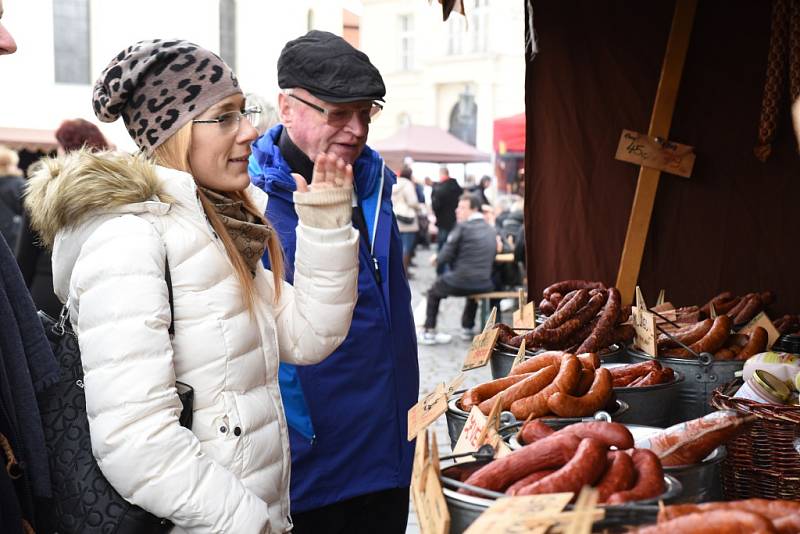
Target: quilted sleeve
313	316
120	305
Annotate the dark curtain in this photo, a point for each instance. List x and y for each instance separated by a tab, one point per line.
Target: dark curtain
731	226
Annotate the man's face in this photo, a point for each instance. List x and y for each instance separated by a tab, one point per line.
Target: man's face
463	211
7	44
315	132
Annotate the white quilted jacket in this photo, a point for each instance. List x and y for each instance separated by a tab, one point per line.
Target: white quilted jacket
230	472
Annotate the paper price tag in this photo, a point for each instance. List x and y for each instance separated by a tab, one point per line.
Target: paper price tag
638	148
532	514
763	321
525	316
426	411
426	488
476	432
644	323
481	349
520	355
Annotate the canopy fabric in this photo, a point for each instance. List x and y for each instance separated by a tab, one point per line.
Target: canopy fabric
428	144
28	139
509	134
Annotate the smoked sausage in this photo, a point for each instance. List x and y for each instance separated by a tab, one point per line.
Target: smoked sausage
531	385
618	477
713	522
536	405
585	467
649	479
563	404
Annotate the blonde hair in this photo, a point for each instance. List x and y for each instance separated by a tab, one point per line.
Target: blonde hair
8	162
174	153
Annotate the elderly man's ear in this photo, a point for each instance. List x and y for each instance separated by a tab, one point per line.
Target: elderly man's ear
284	109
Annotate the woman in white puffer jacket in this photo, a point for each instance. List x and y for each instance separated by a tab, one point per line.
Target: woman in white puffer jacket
116	221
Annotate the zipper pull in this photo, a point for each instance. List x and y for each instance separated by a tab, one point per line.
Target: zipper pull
377	269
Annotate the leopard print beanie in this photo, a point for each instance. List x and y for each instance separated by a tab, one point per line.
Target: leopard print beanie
158	86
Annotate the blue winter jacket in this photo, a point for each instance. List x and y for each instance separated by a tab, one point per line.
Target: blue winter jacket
347	416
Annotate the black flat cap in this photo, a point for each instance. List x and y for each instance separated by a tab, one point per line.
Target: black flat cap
329	68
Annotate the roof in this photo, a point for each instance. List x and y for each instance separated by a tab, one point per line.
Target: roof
428	144
28	139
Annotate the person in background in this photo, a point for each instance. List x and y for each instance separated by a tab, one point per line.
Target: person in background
184	207
423	238
268	117
11	187
481	188
406	209
351	459
470	251
444	201
32	256
7	44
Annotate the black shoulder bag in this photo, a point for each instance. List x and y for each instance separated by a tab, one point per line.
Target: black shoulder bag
83	500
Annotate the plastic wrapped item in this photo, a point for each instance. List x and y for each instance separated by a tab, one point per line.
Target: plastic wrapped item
785	367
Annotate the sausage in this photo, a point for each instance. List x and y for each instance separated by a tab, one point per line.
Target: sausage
634	370
687	335
534	430
539	361
506	333
733	312
618	477
622	333
555	299
711	342
727	305
546	307
487	390
567	308
769	508
568	285
753	306
608	318
589	360
530	479
757	343
724	354
713	522
609	434
649	479
767	298
548	453
565	405
706	308
536	405
585	467
563	300
789	524
531	385
584	382
652	378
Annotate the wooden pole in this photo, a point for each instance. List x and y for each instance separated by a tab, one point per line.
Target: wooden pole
660	122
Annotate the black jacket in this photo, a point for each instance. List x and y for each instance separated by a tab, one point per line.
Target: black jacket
470	251
11	207
444	200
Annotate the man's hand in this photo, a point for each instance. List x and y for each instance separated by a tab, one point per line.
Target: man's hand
433	259
330	171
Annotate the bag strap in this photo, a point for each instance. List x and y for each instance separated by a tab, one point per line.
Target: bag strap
168	279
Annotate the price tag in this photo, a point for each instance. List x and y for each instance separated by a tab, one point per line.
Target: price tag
478	431
712	311
428	410
520	355
525	316
674	158
644	323
426	488
482	345
532	514
662	296
763	321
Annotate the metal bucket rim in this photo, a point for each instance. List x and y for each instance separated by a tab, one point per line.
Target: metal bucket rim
685	361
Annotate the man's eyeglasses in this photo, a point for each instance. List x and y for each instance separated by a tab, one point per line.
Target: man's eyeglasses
229	121
340	117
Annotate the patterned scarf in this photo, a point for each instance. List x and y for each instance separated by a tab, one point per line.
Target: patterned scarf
248	233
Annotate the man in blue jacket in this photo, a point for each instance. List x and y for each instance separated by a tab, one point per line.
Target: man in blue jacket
347	416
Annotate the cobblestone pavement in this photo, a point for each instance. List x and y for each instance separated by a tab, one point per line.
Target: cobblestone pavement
439	363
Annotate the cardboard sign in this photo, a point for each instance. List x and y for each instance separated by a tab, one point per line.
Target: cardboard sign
763	321
430	407
520	355
662	297
478	431
666	156
525	316
513	515
426	488
482	345
644	323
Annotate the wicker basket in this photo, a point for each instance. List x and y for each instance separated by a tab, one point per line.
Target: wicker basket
764	461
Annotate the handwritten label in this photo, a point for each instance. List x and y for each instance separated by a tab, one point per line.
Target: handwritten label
470	439
674	158
532	514
481	349
426	488
520	355
764	322
644	323
525	317
427	410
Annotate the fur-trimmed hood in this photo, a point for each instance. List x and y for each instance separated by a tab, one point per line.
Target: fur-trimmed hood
63	192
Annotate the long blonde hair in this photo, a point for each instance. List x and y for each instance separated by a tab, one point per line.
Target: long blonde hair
174	153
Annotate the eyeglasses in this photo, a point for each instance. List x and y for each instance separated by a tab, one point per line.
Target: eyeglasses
230	121
340	117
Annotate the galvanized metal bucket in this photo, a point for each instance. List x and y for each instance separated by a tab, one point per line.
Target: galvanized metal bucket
649	405
503	357
456	417
465	509
701	481
701	377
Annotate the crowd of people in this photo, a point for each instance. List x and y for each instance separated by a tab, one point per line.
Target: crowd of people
264	268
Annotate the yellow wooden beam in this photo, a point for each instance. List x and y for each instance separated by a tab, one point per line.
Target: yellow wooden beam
660	122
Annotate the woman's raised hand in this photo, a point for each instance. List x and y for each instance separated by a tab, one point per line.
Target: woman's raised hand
330	171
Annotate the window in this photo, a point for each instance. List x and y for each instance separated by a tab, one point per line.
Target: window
71	41
479	26
227	32
406	42
455	35
464	118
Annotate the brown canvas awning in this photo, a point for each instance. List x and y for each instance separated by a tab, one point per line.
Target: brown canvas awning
28	139
426	143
